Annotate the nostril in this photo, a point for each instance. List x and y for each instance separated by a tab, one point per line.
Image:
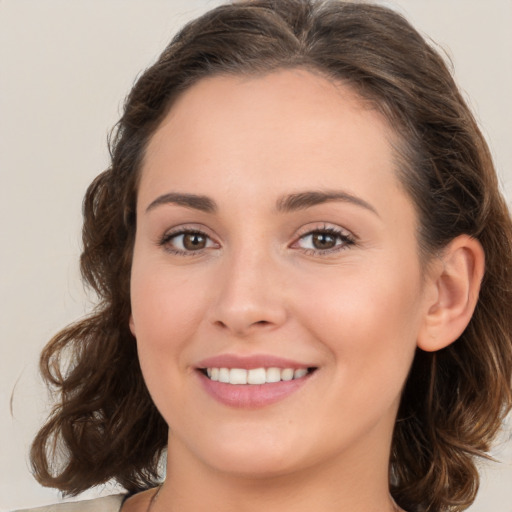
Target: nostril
226	325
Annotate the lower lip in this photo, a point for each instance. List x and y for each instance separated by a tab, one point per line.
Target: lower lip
251	396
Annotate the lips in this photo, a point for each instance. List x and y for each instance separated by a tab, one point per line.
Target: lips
255	381
250	362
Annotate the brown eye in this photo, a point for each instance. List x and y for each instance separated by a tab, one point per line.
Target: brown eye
323	240
194	241
186	242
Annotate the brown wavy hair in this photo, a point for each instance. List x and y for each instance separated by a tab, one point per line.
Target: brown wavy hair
105	426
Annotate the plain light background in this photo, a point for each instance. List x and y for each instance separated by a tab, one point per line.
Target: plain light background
65	67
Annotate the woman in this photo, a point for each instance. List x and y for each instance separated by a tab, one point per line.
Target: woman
304	266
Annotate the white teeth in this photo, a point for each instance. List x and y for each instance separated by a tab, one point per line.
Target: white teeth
297	374
238	376
223	375
287	374
273	374
255	375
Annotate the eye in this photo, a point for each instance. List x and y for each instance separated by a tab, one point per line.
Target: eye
186	241
325	240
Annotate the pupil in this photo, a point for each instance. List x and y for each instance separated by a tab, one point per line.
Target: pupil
323	241
194	241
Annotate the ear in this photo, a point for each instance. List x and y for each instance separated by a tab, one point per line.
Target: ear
454	280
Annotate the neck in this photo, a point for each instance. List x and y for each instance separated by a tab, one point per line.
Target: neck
356	482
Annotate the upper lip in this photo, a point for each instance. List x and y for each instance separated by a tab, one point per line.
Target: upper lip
250	362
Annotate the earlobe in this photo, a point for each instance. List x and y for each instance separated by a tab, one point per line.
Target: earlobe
455	285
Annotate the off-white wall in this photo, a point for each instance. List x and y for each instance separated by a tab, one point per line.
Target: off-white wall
65	66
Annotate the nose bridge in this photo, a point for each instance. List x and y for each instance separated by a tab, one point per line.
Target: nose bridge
248	295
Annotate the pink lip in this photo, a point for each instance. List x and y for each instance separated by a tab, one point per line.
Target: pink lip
247	396
250	396
249	362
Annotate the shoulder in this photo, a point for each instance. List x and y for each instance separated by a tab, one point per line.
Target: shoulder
106	504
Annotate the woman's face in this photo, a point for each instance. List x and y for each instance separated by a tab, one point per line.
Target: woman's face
274	240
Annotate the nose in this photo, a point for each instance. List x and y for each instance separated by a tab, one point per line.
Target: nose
250	296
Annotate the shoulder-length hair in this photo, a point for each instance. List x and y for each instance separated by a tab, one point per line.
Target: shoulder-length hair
454	400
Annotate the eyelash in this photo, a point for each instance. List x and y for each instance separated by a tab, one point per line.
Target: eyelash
166	239
346	240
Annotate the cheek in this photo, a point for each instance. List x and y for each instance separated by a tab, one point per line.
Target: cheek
166	310
165	314
368	322
165	306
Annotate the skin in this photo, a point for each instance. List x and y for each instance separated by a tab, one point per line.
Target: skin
356	312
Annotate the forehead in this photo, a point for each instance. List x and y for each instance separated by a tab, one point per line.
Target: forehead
281	97
289	128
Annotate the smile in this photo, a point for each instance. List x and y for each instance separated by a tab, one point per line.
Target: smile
252	382
255	376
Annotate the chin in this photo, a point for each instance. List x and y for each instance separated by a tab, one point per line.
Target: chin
259	454
255	466
247	452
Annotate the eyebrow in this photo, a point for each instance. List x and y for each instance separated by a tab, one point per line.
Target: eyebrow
285	204
303	200
202	203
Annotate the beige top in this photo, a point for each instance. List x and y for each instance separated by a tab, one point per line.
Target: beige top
106	504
